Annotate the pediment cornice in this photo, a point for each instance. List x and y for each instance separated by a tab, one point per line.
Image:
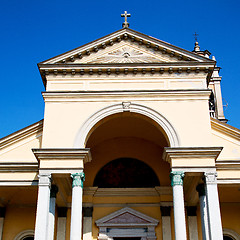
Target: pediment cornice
126	34
126	51
126	68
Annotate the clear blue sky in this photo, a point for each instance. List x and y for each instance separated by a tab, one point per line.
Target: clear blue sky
33	31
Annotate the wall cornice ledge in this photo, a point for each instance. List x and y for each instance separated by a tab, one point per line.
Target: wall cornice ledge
62	154
225	128
156	95
191	156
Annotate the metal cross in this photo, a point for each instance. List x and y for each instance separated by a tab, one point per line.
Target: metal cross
125	15
195	36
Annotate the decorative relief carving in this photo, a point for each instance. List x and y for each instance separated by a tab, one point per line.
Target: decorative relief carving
125	55
78	179
126	106
176	178
210	177
44	180
127	218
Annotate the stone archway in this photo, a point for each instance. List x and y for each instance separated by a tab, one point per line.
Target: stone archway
160	120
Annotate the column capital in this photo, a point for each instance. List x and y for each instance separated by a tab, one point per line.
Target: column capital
210	177
87	211
176	178
54	191
201	189
191	211
44	180
78	179
165	211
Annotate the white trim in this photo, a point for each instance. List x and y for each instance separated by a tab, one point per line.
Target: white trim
230	233
23	234
83	133
19	183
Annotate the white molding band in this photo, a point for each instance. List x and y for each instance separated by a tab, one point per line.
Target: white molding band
83	133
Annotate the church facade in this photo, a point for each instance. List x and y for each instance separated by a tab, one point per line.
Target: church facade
134	145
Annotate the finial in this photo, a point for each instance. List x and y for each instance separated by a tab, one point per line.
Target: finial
125	15
213	58
197	47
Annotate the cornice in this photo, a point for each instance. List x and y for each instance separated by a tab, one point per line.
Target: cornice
154	95
21	134
47	154
18	166
126	68
109	192
188	59
228	165
191	152
126	34
225	129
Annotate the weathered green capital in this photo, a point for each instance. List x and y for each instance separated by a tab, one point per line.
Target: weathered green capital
78	179
176	178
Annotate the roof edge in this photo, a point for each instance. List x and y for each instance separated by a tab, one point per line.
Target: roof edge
225	128
21	134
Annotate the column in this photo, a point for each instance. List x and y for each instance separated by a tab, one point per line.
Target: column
192	222
87	223
62	220
203	211
166	223
51	217
178	205
2	216
214	216
41	224
76	210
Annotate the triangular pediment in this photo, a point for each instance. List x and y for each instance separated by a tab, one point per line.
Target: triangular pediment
126	46
127	52
126	216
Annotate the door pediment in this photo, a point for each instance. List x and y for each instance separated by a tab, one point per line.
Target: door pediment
126	217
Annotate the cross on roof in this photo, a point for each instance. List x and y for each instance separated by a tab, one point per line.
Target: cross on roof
195	36
125	15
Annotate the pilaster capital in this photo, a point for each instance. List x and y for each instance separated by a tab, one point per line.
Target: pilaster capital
54	191
44	180
176	178
210	177
165	211
201	189
87	211
78	179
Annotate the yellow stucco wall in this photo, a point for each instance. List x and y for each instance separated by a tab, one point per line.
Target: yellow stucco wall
18	219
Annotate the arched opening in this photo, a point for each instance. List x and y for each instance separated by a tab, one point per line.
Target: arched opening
227	238
126	107
129	141
25	235
126	173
